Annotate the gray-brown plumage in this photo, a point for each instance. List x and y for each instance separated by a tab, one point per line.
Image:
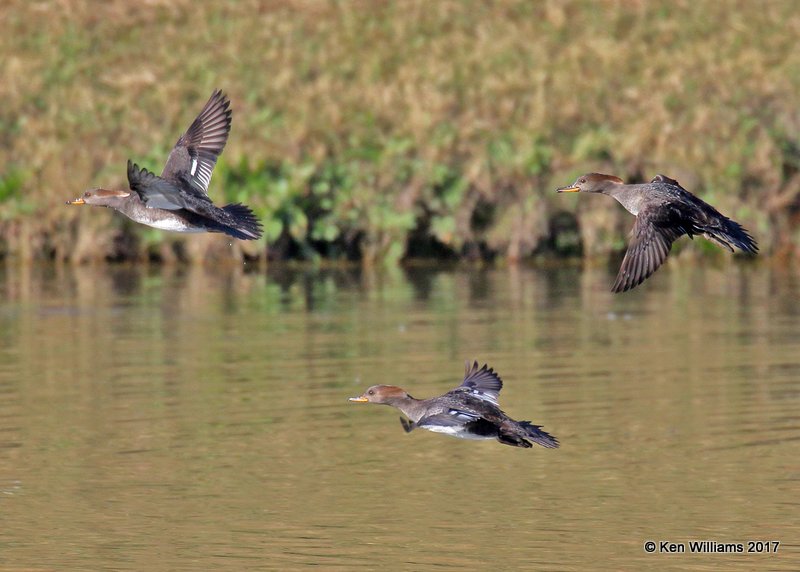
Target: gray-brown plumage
470	411
664	212
178	199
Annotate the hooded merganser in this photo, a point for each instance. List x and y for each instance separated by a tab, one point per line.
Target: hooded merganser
664	212
178	199
470	411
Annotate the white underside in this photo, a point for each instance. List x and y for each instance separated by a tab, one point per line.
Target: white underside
456	432
173	225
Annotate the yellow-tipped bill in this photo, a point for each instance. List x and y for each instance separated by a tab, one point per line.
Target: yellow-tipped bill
77	201
359	399
568	190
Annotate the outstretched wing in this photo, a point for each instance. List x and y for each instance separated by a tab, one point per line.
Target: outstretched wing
195	154
159	193
651	239
481	382
459	423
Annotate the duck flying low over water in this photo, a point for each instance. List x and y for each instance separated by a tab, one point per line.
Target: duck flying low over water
178	199
664	212
470	411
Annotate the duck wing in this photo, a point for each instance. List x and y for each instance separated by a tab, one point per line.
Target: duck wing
654	231
195	154
160	193
457	422
451	418
481	382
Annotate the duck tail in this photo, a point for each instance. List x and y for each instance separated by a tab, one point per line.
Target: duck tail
729	233
244	224
518	433
537	435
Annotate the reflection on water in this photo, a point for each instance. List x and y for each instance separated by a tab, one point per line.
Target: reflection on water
197	418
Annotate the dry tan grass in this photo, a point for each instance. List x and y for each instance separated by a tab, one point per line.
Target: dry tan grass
359	124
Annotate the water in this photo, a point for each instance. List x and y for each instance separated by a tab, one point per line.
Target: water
197	419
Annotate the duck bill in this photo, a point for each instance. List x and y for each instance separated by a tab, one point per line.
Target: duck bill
359	399
76	202
568	190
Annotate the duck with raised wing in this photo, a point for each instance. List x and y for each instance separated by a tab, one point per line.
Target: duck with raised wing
470	411
178	199
664	212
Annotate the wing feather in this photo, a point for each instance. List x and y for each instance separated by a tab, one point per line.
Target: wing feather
154	191
648	248
482	382
195	154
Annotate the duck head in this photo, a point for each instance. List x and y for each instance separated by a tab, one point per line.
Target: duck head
592	183
382	394
101	198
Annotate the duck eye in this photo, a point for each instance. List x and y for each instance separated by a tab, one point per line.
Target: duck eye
87	194
371	392
582	180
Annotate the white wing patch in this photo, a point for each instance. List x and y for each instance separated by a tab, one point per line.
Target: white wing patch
203	173
480	394
464	416
194	167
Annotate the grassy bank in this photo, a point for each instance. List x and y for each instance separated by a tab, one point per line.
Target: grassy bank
376	130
